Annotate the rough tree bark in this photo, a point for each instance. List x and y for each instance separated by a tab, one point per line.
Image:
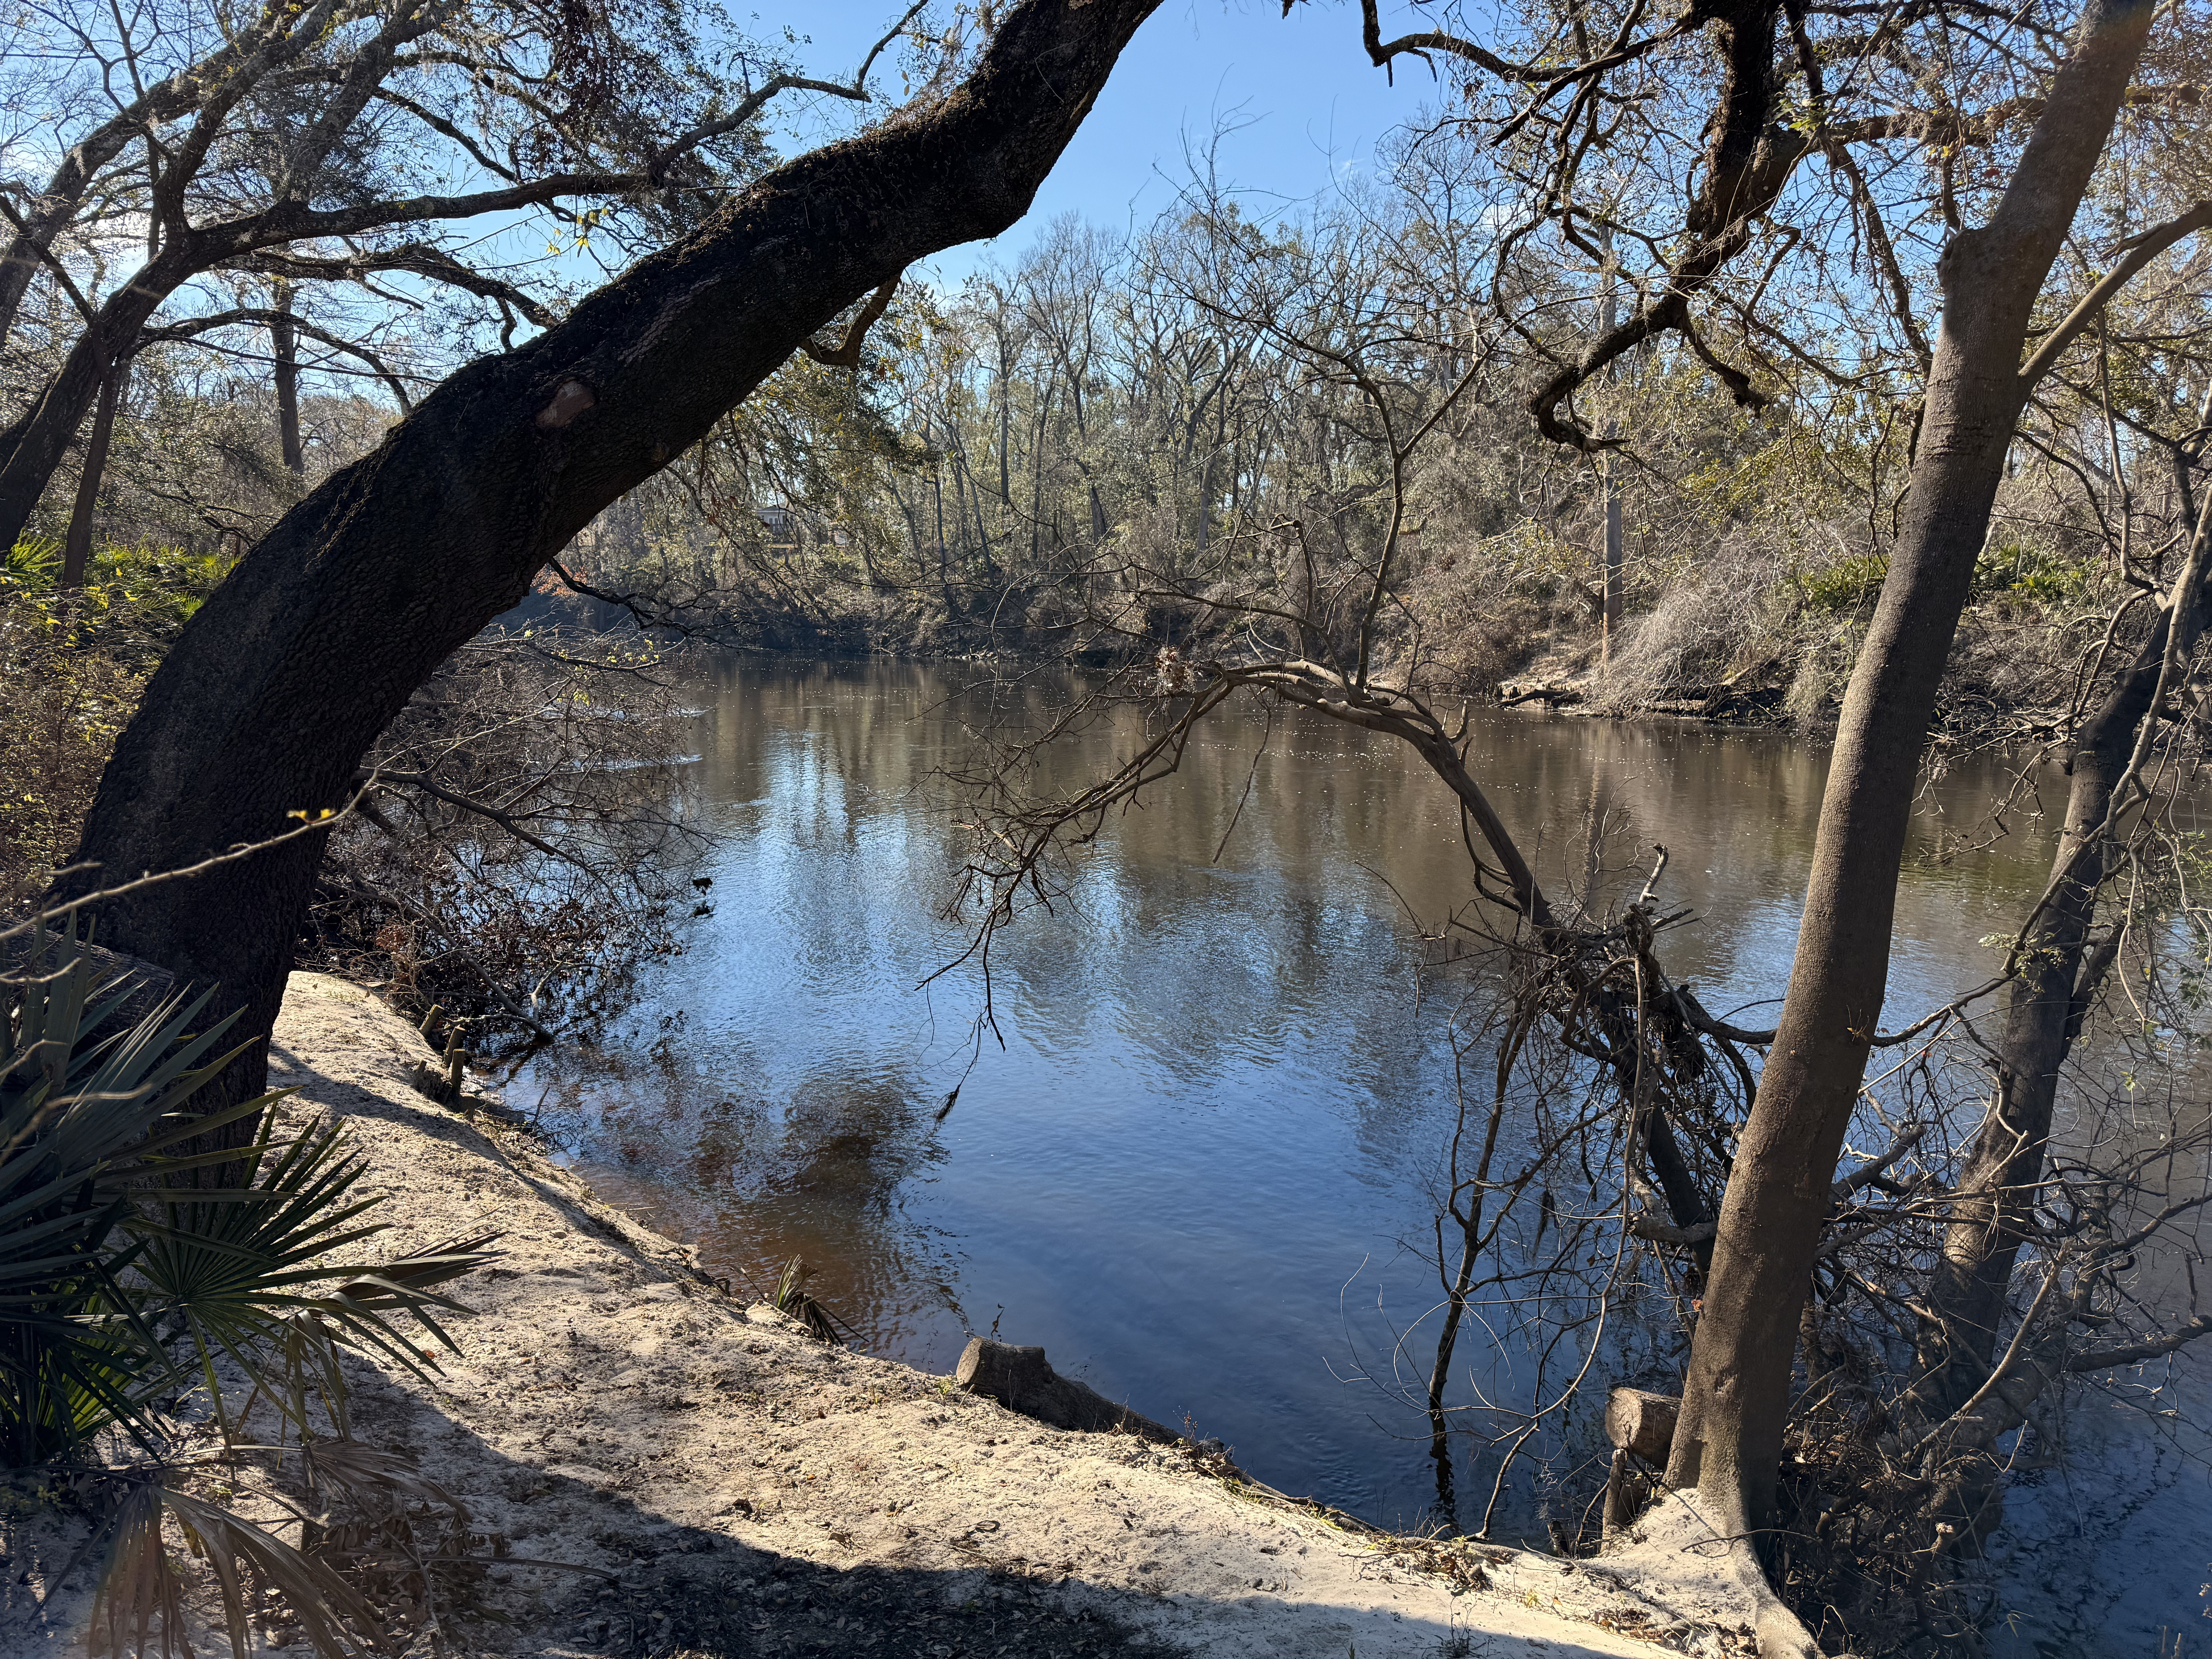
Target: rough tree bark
1736	1396
275	689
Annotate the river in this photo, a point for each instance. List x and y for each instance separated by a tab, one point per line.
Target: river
1218	1090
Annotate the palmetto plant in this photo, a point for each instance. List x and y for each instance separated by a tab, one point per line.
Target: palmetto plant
792	1297
84	1127
136	1273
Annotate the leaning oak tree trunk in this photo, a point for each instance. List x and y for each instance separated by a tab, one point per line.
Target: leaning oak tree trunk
276	688
1736	1396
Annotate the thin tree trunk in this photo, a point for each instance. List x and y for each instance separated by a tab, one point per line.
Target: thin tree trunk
279	684
1005	429
971	502
1205	505
1608	482
959	490
76	549
1036	475
32	447
1736	1404
944	571
1967	1292
1460	1282
284	347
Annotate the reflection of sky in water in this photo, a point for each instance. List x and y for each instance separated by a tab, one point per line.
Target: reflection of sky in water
1218	1105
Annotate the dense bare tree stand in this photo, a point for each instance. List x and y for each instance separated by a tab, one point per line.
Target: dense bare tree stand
1737	1394
275	691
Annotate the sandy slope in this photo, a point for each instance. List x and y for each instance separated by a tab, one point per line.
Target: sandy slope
745	1490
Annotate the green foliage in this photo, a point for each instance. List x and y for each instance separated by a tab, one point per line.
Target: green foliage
129	1261
2038	575
793	1297
82	1125
244	1273
31	563
133	1265
1845	584
134	601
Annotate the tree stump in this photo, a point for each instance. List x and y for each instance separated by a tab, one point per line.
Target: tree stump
1019	1379
1642	1423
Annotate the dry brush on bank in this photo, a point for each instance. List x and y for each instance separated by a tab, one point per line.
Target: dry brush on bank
1727	1145
1867	1346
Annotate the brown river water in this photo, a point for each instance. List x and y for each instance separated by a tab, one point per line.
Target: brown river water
1223	1093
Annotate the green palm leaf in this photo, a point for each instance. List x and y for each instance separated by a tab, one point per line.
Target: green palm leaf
123	1284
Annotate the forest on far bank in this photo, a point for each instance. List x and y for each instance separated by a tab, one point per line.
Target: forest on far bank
1103	442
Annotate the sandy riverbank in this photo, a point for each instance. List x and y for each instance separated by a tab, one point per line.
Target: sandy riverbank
713	1481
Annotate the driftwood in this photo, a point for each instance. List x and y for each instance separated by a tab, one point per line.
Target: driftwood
1018	1379
1509	693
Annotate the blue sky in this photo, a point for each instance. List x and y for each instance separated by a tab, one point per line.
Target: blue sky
1307	108
1309	102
